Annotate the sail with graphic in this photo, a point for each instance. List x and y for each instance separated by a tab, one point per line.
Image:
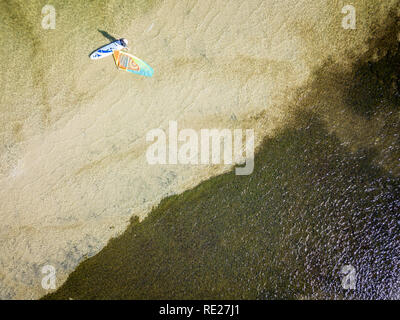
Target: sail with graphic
130	63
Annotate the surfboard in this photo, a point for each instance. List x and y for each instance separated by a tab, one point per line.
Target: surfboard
106	50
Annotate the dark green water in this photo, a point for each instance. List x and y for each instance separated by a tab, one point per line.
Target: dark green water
313	204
